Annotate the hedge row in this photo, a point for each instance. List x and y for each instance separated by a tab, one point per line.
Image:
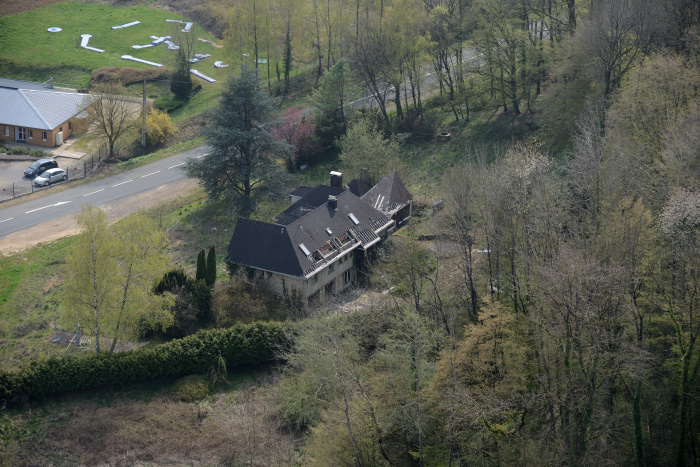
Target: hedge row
239	345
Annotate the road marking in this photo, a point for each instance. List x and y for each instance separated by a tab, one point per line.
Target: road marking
7	220
122	183
199	157
177	165
148	175
94	192
49	206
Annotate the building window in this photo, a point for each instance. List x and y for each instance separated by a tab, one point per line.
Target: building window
331	267
314	279
43	136
70	126
31	134
347	277
7	131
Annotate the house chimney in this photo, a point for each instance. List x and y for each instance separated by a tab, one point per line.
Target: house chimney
337	179
332	202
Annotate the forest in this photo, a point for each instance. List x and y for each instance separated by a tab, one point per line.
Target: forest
562	325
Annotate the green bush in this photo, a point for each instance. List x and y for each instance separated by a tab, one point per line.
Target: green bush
169	104
38	153
191	388
195	354
18	150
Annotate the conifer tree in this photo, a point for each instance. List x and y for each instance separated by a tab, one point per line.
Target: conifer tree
201	273
211	267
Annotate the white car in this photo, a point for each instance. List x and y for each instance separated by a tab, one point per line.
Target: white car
51	176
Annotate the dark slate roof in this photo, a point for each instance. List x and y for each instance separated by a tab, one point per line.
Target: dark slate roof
310	201
276	247
263	246
358	187
302	191
389	194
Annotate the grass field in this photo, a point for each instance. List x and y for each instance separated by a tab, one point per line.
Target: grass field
28	51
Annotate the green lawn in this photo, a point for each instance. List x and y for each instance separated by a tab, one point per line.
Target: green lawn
28	51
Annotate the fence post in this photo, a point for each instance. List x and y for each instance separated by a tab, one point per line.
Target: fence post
84	169
92	163
13	189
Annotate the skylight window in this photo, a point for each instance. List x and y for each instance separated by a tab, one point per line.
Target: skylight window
329	231
304	249
353	218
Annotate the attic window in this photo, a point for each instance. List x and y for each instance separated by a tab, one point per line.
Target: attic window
353	218
329	231
304	249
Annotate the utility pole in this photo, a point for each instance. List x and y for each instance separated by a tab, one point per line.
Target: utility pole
143	122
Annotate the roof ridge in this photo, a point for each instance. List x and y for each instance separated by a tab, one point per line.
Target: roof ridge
41	117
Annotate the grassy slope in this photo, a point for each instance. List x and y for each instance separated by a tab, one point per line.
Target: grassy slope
30	288
28	51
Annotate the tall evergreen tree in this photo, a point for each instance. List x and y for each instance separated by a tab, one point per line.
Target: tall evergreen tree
241	167
211	267
201	273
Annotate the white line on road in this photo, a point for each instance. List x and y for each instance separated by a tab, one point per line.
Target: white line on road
148	175
94	192
199	157
49	206
177	165
7	220
122	183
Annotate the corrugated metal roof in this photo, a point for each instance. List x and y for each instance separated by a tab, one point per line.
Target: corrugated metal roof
45	109
17	84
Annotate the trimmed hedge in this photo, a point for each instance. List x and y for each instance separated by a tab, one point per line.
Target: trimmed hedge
198	353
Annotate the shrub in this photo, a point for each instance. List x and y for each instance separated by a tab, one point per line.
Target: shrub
18	150
196	354
191	388
168	104
128	75
158	127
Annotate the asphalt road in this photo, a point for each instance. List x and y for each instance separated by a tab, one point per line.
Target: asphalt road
106	190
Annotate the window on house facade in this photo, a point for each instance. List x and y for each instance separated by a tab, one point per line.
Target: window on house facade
347	278
70	126
331	267
314	279
31	134
7	131
43	136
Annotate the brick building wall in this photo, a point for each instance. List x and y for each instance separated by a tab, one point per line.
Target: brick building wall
10	133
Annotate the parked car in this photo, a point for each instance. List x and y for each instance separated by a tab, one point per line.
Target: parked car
51	176
40	166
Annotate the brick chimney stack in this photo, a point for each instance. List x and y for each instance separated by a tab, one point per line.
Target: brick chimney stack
337	179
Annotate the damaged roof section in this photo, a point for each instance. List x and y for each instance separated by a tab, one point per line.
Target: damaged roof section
389	195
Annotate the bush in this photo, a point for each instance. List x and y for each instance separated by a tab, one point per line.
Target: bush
191	388
18	150
168	104
129	75
196	354
158	127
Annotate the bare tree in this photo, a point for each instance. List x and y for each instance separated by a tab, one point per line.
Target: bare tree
114	113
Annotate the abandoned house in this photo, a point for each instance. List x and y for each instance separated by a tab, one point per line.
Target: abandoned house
314	248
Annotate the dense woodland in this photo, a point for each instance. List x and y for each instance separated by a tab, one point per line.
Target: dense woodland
566	329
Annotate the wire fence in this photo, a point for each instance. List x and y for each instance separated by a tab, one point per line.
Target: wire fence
75	170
